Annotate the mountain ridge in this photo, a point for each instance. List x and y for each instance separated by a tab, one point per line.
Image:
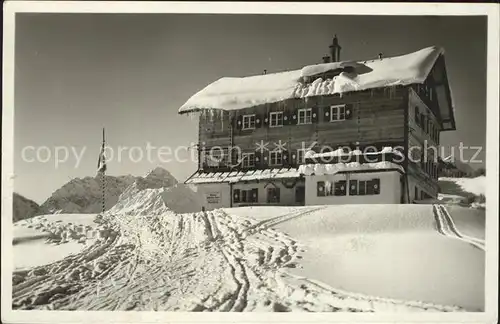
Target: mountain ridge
84	195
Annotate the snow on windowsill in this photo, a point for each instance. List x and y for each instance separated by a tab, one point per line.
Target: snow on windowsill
340	152
330	169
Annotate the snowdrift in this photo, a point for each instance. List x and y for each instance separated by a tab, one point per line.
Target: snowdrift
394	252
142	199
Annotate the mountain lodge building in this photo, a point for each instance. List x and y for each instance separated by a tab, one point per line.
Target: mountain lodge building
338	132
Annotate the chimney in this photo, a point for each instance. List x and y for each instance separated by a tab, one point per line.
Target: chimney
379	56
326	59
335	50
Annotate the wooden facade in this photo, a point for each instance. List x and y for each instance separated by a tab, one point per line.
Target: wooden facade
373	118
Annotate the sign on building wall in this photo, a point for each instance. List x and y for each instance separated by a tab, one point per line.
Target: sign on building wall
213	197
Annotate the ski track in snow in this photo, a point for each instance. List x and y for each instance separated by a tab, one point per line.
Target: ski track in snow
205	261
446	227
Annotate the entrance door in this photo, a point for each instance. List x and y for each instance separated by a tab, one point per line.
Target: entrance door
273	195
300	195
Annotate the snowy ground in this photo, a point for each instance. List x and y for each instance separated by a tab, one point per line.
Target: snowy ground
142	256
48	238
463	191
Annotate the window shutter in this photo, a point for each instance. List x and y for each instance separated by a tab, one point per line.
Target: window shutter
293	158
340	188
326	113
266	118
348	111
314	116
258	120
353	187
236	195
258	159
239	122
285	158
254	195
286	118
320	189
294	117
376	186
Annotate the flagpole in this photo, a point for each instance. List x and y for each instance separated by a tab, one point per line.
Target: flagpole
103	175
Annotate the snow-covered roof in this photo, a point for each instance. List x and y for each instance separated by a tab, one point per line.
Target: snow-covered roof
289	173
237	176
232	93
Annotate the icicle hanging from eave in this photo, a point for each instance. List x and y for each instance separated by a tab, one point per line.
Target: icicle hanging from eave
194	114
392	91
209	113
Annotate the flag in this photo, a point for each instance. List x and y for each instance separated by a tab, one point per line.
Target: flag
101	163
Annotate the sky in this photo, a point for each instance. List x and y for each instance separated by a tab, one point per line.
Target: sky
130	73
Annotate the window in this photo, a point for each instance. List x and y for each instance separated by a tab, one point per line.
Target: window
300	156
275	158
248	121
236	195
305	116
215	158
246	196
324	188
415	195
361	188
417	116
373	187
320	189
248	160
254	195
337	113
276	119
273	195
340	188
353	187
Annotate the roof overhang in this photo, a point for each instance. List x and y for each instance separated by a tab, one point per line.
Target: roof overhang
444	95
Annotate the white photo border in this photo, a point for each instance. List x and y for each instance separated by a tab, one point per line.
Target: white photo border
307	8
